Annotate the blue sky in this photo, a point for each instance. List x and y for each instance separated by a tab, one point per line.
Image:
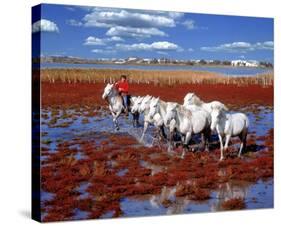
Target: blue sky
94	32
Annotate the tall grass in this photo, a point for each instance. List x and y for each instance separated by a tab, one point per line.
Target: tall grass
149	77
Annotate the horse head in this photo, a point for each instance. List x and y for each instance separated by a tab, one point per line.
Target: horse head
145	103
136	104
171	112
218	110
107	90
189	99
153	107
218	105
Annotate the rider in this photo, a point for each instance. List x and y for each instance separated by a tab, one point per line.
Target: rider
123	89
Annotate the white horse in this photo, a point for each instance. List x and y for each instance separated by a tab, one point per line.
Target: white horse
159	107
229	125
141	105
188	123
116	105
136	105
191	100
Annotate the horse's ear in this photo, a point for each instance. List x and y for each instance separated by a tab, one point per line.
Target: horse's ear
225	108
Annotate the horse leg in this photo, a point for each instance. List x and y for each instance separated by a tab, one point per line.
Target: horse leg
243	139
162	132
186	142
203	140
115	120
134	119
207	135
170	138
221	147
227	139
137	119
145	126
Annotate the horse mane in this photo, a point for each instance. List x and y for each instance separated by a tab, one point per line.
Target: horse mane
163	103
197	101
147	97
114	90
218	106
185	112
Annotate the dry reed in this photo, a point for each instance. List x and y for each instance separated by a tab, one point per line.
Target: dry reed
150	77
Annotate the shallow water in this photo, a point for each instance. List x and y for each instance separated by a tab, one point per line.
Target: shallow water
256	195
260	122
259	195
231	71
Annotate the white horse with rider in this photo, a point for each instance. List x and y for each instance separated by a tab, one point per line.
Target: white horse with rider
116	104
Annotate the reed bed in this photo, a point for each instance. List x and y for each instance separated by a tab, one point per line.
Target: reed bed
150	77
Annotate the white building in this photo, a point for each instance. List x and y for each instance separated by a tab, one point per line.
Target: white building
244	63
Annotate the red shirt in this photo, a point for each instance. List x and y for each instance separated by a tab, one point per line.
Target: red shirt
122	87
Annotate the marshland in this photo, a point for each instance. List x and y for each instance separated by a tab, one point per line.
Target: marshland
89	170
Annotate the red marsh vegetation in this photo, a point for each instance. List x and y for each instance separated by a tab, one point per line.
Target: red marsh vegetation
193	177
90	93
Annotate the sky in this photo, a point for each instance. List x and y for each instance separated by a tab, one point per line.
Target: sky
95	32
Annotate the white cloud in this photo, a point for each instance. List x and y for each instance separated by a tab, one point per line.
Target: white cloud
175	15
108	18
242	47
129	23
157	46
103	51
73	22
94	41
44	25
265	45
190	50
116	39
189	24
134	32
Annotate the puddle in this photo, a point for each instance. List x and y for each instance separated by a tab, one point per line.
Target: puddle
79	214
259	195
122	172
83	190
